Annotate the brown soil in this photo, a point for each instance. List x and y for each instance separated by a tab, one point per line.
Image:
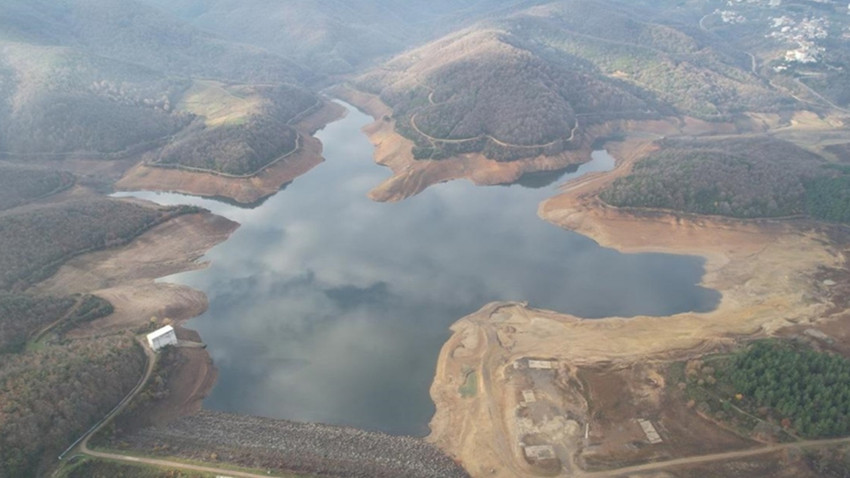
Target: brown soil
191	378
411	176
767	272
242	190
125	276
622	394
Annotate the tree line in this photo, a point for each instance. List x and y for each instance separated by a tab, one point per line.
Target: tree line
35	242
742	178
811	389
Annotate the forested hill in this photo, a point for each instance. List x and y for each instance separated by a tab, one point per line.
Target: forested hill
105	80
744	178
132	32
527	79
481	90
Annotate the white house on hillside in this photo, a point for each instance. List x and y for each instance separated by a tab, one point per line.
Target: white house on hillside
162	337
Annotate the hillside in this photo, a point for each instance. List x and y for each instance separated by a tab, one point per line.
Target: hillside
531	83
800	46
19	185
65	101
479	91
35	242
333	36
102	78
745	178
132	32
252	128
52	395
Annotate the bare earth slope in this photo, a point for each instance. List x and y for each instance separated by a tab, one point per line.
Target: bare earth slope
764	270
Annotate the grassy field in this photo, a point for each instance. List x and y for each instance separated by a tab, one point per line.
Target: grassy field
220	104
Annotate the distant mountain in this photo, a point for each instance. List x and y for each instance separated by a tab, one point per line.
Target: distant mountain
333	36
105	77
132	32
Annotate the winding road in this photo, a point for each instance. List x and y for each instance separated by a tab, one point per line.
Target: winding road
81	446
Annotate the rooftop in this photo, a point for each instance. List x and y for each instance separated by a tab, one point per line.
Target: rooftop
161	332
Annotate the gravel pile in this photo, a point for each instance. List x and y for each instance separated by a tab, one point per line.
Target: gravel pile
296	447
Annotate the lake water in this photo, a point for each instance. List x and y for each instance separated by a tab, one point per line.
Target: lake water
326	306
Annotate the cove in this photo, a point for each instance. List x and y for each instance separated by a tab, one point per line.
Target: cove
328	307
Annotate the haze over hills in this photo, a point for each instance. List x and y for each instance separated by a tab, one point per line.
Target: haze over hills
333	36
106	77
132	32
728	122
528	79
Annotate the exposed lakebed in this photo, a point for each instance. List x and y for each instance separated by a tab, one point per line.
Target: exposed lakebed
326	306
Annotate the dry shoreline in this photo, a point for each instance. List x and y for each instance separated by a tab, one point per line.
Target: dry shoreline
242	190
765	271
412	176
127	277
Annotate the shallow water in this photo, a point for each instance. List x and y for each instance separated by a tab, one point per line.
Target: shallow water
326	306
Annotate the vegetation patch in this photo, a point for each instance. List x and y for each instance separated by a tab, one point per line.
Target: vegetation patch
50	396
775	390
22	315
34	243
19	185
744	178
247	129
830	462
470	384
91	308
24	318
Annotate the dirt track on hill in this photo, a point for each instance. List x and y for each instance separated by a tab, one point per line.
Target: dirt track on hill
412	176
242	190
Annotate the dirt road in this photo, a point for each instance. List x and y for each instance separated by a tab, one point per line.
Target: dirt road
175	464
732	455
84	440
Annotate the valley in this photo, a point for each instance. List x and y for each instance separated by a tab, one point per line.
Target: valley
334	203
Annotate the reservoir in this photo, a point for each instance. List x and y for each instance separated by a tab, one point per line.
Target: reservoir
326	306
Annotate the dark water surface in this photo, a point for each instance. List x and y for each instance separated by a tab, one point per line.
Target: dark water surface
328	307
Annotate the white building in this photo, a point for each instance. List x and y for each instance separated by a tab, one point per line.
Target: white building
162	337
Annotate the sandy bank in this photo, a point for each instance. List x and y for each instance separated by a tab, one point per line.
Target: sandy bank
765	270
242	190
412	176
126	277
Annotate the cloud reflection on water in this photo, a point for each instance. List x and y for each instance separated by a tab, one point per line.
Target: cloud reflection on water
326	306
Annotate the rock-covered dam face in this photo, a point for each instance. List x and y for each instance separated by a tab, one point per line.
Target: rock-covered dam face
270	444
